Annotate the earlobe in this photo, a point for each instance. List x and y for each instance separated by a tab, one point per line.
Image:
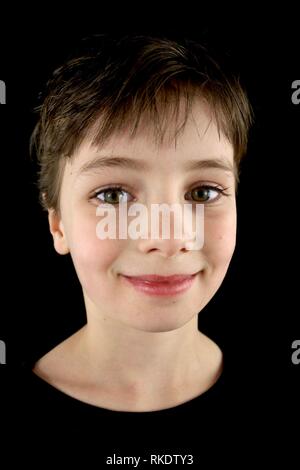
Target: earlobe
58	232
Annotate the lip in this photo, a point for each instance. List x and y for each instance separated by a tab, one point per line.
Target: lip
161	285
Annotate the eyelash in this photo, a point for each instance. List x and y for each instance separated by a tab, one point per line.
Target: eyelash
221	192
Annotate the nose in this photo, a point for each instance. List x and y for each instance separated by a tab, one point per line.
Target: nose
165	235
166	248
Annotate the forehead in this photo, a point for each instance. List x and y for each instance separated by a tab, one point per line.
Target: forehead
198	139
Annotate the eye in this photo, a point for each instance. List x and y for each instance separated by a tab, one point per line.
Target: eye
207	194
113	195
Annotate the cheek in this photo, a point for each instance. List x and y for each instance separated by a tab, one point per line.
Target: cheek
92	256
220	238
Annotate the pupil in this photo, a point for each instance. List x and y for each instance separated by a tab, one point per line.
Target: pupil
201	194
113	196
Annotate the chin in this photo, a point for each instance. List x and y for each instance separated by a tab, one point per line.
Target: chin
160	325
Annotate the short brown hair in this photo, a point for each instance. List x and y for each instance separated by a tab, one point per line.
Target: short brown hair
113	82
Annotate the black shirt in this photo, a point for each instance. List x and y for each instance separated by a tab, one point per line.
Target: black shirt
227	424
47	417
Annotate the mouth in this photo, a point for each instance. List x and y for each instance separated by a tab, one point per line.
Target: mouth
152	284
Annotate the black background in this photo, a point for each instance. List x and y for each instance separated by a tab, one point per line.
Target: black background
255	313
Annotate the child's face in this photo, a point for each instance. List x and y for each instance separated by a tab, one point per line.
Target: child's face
100	263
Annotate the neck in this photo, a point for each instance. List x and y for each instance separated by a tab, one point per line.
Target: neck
140	359
133	354
115	366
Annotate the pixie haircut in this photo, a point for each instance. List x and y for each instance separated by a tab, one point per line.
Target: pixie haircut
115	83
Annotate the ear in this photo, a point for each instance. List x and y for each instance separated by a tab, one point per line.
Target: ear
58	232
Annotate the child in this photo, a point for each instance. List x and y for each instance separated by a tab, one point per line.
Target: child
147	120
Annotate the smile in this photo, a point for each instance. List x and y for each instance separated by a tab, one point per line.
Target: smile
161	285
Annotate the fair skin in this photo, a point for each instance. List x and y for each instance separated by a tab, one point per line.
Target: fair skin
140	352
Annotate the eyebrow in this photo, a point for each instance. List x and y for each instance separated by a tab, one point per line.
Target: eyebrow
102	162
